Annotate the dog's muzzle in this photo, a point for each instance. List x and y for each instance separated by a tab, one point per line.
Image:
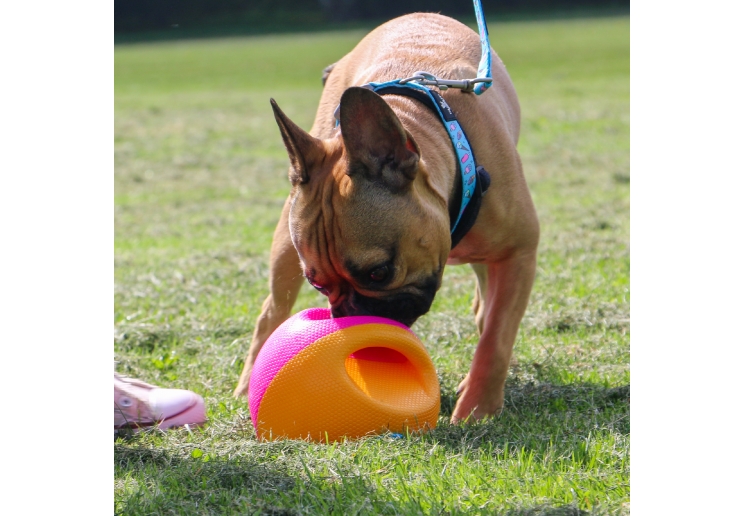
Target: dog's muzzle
404	308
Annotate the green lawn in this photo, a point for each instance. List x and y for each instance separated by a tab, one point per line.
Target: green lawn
200	177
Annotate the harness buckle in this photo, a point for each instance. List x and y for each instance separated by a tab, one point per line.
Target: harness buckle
427	79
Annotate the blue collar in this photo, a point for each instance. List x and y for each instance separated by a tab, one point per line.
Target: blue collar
474	179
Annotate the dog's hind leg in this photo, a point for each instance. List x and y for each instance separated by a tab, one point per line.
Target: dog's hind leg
285	281
479	305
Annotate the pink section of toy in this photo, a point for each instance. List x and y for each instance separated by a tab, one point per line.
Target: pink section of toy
290	338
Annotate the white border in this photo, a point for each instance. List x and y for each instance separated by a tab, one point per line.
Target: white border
686	273
56	263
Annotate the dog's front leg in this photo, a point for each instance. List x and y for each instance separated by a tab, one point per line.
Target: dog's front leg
503	291
285	281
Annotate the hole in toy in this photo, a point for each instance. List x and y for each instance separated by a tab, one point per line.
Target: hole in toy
386	375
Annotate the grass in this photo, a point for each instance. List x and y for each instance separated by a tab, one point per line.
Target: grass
199	183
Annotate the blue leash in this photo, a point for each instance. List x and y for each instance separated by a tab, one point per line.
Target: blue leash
484	67
475	179
483	80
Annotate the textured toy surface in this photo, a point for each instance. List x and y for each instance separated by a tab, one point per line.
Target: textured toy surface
324	379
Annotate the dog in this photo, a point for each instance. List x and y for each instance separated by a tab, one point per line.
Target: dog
368	219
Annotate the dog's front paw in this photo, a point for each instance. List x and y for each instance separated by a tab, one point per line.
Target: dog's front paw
475	402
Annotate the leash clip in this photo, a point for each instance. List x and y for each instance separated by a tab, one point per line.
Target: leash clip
427	79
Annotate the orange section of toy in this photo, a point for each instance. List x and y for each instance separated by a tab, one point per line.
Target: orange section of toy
361	380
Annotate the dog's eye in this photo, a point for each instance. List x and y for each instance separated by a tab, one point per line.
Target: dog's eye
379	274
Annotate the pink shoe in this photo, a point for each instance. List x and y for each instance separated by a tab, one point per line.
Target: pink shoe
138	404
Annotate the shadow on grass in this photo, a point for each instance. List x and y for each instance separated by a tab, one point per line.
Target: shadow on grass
248	477
547	396
158	481
539	416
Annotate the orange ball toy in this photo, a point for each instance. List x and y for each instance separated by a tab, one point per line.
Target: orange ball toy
324	379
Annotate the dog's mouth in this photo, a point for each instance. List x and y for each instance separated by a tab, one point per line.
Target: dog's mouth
404	308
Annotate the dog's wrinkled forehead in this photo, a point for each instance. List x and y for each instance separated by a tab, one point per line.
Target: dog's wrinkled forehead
360	236
342	216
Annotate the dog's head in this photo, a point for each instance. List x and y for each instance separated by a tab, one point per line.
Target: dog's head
371	233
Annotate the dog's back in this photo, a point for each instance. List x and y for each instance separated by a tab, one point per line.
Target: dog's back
426	42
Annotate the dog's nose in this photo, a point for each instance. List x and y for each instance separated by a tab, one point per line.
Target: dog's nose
348	308
359	305
404	308
338	311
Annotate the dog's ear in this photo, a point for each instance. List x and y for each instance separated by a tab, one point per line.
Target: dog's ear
305	151
375	140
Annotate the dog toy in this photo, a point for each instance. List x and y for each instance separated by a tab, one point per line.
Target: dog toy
323	379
